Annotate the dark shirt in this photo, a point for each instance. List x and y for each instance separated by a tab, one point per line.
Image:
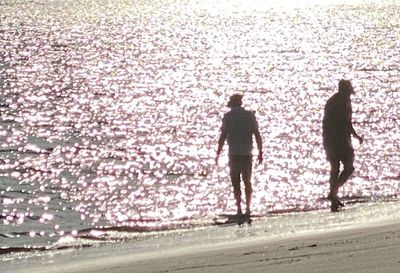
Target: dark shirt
337	126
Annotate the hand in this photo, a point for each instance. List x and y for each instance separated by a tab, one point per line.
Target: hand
360	139
216	159
260	159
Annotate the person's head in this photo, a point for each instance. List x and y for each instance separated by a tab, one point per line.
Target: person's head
345	87
235	100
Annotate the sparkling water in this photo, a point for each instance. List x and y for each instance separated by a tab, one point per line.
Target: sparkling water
110	111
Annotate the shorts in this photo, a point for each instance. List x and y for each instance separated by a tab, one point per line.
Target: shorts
240	165
340	154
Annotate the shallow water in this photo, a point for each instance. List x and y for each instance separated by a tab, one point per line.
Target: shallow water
110	110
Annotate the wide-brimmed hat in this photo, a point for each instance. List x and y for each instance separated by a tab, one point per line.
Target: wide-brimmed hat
235	100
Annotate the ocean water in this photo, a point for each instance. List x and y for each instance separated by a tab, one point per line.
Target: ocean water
110	112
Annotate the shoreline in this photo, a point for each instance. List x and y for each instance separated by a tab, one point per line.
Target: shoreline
354	240
365	249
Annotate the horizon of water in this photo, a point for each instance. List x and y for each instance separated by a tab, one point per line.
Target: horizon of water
110	111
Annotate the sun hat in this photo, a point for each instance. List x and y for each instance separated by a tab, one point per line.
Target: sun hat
235	100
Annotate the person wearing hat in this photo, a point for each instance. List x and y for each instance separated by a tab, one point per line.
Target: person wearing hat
337	132
238	127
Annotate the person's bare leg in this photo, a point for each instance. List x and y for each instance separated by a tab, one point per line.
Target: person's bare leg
246	175
235	179
348	169
248	191
333	179
238	196
334	187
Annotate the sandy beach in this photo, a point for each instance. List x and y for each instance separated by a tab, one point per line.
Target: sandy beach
374	249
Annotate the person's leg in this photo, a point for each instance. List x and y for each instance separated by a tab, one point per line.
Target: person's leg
246	176
348	168
234	165
334	187
333	179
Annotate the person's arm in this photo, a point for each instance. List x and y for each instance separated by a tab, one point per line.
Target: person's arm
353	132
259	146
350	124
221	142
258	139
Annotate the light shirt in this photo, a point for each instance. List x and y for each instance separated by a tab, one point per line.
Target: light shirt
240	125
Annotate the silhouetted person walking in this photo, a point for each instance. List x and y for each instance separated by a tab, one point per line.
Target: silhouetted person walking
238	128
337	132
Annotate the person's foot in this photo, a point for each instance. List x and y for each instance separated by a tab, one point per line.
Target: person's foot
335	200
335	203
247	217
240	219
334	208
